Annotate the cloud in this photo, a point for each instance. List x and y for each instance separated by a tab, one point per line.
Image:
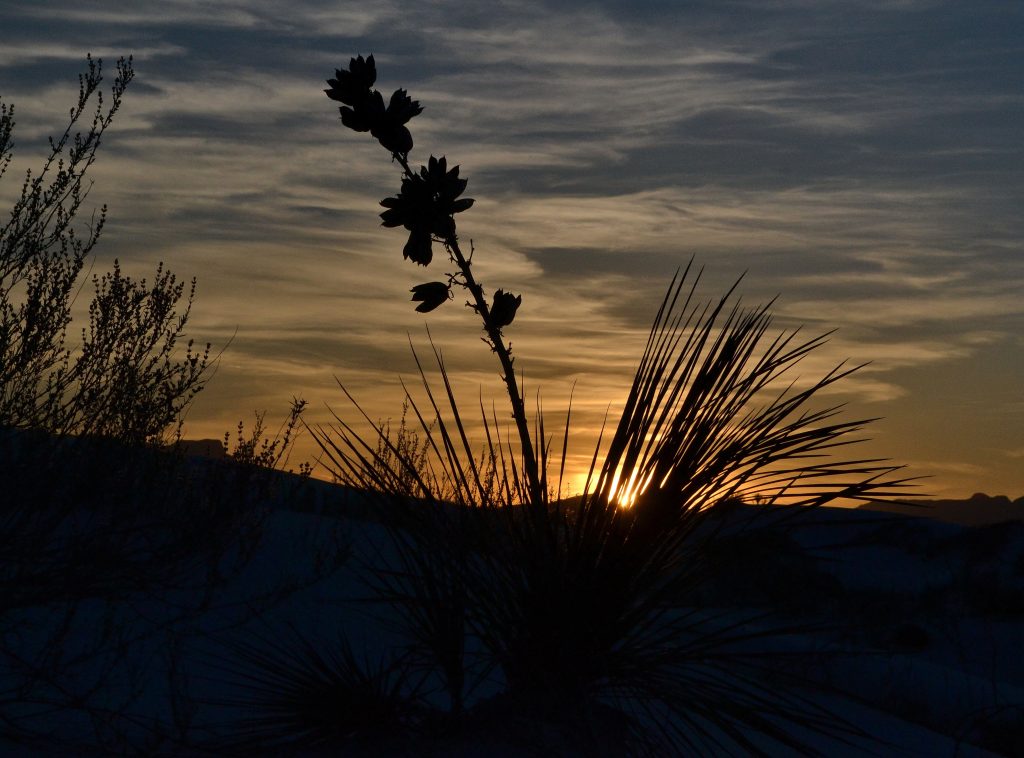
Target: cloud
27	53
860	159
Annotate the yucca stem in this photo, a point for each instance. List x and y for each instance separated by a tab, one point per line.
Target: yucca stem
508	368
503	352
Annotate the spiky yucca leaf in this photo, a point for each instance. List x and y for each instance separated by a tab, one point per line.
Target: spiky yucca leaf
297	695
700	424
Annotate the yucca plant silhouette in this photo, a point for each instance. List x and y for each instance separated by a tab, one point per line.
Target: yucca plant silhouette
574	622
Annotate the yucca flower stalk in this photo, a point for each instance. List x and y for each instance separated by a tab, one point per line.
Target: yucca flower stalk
426	207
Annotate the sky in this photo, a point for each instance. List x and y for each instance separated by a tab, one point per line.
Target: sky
860	160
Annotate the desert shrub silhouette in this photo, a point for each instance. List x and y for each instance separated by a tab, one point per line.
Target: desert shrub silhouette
126	381
260	450
571	624
95	511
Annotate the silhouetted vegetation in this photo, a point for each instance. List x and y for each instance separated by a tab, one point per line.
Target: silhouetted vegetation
100	516
260	450
580	617
126	381
426	207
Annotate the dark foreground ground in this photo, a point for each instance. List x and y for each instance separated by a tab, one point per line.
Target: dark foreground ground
125	622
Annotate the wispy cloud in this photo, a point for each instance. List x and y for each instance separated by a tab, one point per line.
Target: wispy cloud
861	159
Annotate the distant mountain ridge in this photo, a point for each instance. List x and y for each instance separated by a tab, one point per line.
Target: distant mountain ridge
980	509
977	510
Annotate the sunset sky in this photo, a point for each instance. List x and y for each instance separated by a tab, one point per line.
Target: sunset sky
861	159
